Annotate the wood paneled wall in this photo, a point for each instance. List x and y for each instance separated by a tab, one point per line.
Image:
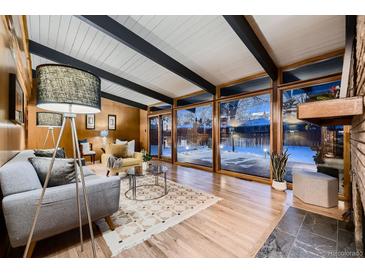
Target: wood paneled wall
358	136
13	59
128	121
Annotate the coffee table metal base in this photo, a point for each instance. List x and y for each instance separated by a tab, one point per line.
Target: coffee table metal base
133	188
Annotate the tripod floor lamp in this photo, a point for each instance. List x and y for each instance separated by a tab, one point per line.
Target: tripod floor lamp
71	91
50	120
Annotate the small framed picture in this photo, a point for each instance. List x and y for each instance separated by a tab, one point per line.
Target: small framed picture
112	122
16	100
90	121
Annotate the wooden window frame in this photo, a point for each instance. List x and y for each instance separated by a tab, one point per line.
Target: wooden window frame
218	132
175	161
159	124
276	128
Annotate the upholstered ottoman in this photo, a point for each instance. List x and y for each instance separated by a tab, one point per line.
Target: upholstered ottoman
315	188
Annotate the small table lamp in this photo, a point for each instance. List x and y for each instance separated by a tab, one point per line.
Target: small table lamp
50	120
70	91
104	134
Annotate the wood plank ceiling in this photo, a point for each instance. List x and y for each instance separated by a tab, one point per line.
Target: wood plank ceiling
207	45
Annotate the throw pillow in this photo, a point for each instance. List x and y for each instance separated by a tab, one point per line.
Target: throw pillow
117	150
82	141
63	171
85	147
131	148
49	152
120	142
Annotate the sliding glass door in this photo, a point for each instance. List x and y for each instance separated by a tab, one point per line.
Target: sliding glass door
153	136
166	136
160	136
245	135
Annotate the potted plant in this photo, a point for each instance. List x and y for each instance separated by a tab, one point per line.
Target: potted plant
278	164
146	158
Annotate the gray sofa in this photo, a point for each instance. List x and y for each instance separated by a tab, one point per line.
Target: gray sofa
21	189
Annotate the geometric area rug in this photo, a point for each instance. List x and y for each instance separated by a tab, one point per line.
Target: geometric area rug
137	221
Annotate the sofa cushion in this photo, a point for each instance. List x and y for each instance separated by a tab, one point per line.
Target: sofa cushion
117	150
63	171
87	171
18	176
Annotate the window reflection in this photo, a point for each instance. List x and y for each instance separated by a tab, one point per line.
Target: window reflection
166	136
245	135
153	136
194	135
312	147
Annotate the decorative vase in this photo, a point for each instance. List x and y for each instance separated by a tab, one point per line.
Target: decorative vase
145	165
281	186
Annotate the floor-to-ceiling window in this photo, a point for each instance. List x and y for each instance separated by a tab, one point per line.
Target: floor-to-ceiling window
245	135
311	147
153	135
166	141
194	135
160	136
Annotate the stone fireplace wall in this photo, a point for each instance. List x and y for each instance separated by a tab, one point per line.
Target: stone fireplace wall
358	137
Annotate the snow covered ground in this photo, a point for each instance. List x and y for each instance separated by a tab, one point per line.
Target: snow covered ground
248	160
166	152
200	156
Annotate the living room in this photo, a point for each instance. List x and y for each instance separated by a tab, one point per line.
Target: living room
182	136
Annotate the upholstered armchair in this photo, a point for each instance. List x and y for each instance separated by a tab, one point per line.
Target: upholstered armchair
86	150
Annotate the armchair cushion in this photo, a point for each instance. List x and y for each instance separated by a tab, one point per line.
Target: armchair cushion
117	150
85	148
131	148
138	155
120	142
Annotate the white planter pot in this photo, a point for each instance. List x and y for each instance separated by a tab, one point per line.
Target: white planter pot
281	186
145	165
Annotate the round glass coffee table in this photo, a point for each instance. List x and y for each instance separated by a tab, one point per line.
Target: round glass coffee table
156	170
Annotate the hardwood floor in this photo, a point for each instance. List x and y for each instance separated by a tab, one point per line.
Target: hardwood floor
237	226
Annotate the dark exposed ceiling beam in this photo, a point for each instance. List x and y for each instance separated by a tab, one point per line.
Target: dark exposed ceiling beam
245	32
122	34
114	98
123	100
62	58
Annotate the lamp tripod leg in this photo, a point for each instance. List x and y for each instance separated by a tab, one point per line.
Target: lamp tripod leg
77	190
52	133
38	207
74	132
45	140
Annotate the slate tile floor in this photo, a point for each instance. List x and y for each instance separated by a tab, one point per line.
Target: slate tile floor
302	234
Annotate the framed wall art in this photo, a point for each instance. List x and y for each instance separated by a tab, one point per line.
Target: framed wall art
16	100
112	122
90	121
